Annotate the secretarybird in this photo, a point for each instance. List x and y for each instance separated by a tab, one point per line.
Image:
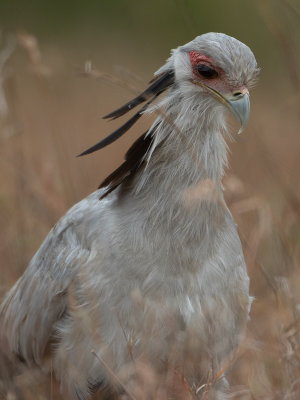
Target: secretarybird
149	269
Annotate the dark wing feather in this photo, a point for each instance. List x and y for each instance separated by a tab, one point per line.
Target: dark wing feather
159	84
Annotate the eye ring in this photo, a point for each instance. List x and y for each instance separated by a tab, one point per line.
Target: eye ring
206	71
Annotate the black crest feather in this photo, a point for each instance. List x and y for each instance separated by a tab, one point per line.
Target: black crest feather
158	85
134	158
116	134
134	161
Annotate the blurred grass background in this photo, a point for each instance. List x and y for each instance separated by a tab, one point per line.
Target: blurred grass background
49	112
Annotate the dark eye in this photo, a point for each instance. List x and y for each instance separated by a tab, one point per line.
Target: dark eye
206	71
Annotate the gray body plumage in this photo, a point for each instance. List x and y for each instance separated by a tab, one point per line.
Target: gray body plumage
154	272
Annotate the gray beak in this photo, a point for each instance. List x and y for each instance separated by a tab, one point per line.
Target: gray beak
240	108
238	103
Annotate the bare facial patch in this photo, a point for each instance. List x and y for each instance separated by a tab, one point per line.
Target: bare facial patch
198	58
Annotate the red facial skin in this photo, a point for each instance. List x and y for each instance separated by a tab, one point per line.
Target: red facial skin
219	83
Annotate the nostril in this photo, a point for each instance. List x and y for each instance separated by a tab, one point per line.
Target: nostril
237	94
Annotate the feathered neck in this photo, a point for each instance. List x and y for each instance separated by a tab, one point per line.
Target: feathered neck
176	193
188	145
177	188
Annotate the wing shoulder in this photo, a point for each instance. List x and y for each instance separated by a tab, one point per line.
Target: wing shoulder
39	298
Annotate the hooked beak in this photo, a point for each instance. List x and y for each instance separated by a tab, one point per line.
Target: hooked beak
237	102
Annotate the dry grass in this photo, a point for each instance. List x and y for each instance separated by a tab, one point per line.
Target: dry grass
49	114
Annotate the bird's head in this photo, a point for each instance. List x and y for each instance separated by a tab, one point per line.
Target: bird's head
216	66
213	67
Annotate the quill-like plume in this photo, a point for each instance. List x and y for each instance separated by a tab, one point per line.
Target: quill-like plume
159	85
